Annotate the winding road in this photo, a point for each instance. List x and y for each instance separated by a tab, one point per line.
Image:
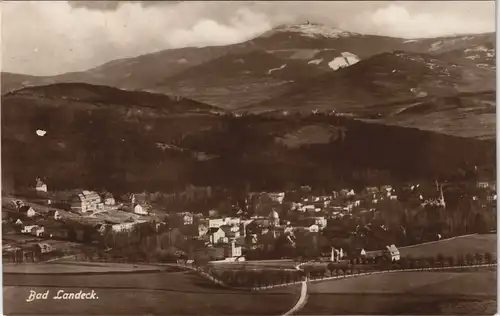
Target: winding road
302	298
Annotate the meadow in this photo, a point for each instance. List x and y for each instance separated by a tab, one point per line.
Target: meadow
410	293
72	267
174	293
454	246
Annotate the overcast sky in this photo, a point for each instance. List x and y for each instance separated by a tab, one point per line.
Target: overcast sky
45	38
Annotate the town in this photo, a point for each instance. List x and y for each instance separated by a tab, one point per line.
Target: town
40	225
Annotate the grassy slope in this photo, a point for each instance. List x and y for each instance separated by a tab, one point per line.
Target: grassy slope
139	294
76	267
418	293
453	247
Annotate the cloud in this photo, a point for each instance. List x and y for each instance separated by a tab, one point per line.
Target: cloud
396	20
51	37
114	5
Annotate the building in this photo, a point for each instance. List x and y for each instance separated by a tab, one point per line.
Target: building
109	199
274	218
86	201
55	213
202	229
393	253
277	197
386	190
38	231
187	218
123	227
232	250
337	254
321	221
215	222
40	186
45	247
217	235
30	229
483	184
138	209
56	232
231	232
27	211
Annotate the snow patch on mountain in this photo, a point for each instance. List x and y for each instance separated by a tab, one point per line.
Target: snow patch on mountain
275	69
473	57
345	60
490	53
312	30
316	61
449	42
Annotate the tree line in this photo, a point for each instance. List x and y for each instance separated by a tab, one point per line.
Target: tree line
251	278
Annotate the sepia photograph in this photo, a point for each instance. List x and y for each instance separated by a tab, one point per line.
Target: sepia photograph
248	158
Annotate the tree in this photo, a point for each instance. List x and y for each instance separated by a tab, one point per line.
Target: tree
201	259
411	261
403	262
331	267
488	257
440	259
461	260
432	261
424	263
469	258
451	260
478	257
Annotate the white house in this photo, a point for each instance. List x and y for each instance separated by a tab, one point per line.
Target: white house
27	210
138	209
55	213
215	222
86	201
27	229
393	252
45	247
122	227
217	235
40	186
277	196
232	251
109	199
38	231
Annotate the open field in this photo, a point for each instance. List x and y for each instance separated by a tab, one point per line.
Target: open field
454	246
417	293
141	294
61	267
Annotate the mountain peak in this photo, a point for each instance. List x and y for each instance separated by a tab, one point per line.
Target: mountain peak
309	29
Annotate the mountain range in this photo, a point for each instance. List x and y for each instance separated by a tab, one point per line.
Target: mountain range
278	102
